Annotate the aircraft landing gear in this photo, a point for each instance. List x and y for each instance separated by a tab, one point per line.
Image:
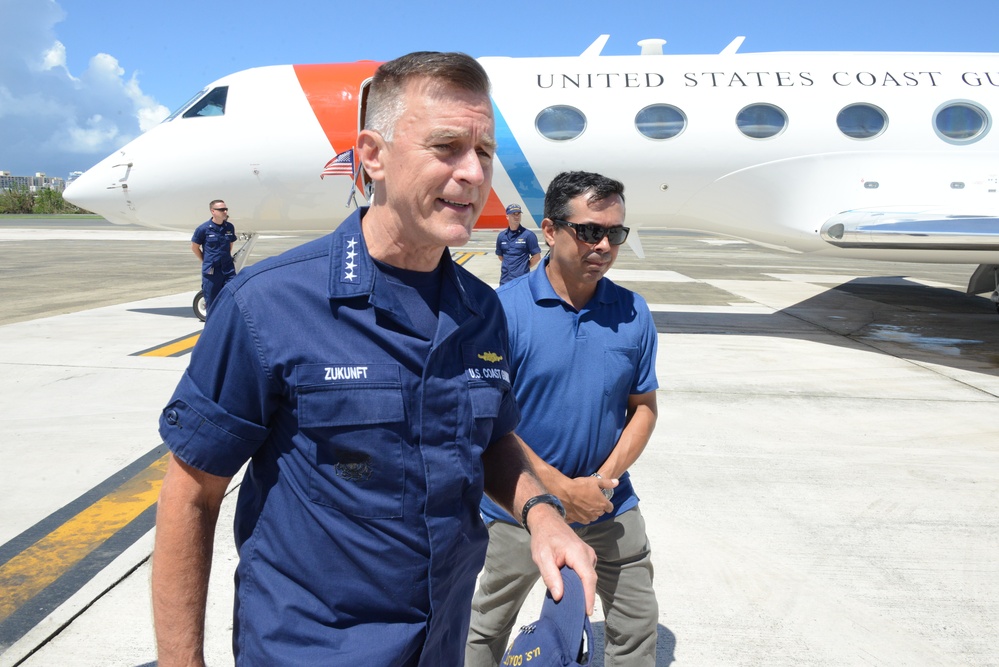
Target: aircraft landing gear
200	309
995	299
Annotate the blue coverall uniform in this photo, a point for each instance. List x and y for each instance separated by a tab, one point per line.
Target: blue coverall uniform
516	248
357	523
217	267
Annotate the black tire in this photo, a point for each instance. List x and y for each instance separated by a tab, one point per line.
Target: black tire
200	310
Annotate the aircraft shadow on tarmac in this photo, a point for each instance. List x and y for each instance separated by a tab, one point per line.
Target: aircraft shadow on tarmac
893	316
176	311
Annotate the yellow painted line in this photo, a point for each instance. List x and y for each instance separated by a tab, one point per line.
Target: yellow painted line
172	348
32	570
464	256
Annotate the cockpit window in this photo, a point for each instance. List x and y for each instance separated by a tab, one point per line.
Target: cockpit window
961	122
181	109
560	123
761	121
660	121
212	104
861	121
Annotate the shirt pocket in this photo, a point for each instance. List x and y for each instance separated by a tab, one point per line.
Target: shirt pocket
620	364
485	400
356	432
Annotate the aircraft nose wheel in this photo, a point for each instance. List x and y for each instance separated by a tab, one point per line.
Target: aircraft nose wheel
200	309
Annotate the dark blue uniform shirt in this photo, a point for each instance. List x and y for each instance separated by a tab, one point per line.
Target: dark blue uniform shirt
357	523
516	248
216	244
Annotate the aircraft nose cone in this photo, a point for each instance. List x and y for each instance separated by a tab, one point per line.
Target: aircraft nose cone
96	191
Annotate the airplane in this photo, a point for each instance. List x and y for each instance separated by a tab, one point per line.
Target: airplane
874	155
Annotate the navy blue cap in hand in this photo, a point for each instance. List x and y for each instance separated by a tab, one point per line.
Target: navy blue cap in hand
556	639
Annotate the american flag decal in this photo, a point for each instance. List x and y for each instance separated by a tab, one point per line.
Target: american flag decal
341	165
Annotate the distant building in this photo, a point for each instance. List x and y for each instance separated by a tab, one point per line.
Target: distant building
35	183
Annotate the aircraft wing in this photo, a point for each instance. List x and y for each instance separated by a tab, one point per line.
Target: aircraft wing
912	229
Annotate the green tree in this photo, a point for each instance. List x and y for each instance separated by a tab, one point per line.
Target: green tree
17	199
48	201
51	201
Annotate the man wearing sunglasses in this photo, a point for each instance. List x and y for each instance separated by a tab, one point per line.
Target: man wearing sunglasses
582	366
212	244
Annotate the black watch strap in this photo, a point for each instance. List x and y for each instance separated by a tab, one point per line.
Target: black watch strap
547	499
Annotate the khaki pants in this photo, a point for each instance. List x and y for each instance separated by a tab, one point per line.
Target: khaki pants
624	585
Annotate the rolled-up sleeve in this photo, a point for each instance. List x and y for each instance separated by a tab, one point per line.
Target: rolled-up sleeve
218	415
204	435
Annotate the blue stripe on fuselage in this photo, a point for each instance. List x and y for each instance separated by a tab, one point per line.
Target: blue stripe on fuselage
518	169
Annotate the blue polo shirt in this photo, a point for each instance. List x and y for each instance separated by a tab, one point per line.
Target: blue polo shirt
573	372
216	243
357	523
516	248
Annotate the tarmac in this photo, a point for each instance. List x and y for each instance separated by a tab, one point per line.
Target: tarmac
822	487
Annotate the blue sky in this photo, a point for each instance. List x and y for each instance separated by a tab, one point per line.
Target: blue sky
80	78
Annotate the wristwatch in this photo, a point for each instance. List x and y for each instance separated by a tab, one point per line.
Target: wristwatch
545	498
608	493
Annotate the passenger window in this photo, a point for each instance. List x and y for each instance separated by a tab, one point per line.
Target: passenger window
212	104
961	122
761	121
861	121
560	123
660	121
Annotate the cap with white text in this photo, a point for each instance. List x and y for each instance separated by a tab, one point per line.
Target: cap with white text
557	638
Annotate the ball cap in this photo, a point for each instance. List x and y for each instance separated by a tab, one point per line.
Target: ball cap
513	208
556	639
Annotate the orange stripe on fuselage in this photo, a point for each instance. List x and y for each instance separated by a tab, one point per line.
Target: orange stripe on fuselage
334	91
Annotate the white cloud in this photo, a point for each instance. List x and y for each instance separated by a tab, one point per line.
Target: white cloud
148	110
94	137
55	56
54	121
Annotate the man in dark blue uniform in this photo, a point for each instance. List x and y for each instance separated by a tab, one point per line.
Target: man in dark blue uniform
365	378
212	244
516	246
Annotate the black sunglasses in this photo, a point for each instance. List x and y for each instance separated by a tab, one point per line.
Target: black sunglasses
225	210
593	233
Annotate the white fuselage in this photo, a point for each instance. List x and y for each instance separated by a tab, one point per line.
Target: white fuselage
264	155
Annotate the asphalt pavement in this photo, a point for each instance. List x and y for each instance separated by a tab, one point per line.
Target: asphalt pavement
822	487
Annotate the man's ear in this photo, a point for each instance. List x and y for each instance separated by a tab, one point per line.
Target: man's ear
548	229
371	148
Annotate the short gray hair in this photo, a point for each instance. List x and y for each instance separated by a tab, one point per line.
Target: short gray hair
386	104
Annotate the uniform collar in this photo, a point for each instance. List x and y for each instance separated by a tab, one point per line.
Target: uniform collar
353	272
542	290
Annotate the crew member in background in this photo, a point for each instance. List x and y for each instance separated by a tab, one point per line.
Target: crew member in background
212	244
517	247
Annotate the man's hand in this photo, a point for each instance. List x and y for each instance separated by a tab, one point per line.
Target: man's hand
584	499
554	544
